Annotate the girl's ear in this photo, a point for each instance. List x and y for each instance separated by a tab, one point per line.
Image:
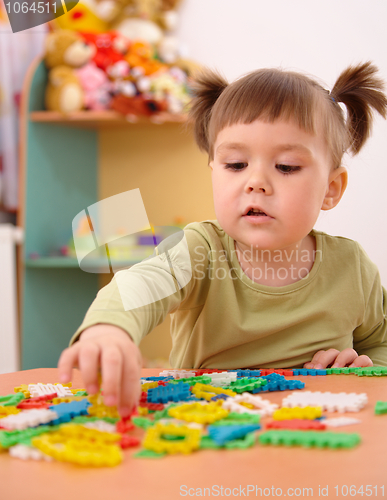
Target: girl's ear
337	184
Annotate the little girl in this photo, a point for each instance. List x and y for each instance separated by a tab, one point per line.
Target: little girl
264	289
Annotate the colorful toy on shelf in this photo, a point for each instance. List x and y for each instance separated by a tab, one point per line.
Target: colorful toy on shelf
81	18
65	51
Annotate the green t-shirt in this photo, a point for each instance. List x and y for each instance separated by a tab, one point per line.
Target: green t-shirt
220	318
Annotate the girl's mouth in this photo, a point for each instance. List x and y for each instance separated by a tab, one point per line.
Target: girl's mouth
256	212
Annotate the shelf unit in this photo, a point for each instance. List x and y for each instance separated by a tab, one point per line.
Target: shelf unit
58	179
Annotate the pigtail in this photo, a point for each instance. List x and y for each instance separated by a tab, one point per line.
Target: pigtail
361	91
206	86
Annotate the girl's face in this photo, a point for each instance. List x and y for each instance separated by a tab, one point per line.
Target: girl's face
270	181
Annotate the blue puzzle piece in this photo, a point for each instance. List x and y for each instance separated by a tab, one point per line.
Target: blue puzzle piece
280	385
173	392
308	371
67	411
223	433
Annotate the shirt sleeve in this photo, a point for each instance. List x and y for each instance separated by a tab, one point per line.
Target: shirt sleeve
139	298
370	338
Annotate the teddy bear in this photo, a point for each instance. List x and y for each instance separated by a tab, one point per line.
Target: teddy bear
63	92
65	51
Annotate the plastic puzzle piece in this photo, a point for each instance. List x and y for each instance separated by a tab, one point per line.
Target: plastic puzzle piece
206	391
262	407
178	392
222	379
149	385
27	453
79	451
148	454
28	418
23	388
142	422
296	423
66	411
305	412
372	371
198	412
222	434
36	402
152	406
346	370
11	399
238	419
381	407
340	421
280	385
11	438
247	373
279	371
309	439
99	409
156	379
246	384
129	441
155	439
176	374
341	402
201	379
247	441
102	426
8	410
308	371
61	390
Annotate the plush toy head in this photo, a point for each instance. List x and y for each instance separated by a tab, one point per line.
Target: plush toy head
67	48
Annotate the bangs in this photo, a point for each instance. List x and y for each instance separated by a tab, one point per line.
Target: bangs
267	94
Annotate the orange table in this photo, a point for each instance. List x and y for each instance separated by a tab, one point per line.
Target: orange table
259	472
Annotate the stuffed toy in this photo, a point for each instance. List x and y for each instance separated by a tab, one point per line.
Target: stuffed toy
96	86
80	18
66	50
110	48
151	21
63	92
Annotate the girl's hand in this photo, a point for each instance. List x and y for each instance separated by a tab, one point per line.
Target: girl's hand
337	359
107	349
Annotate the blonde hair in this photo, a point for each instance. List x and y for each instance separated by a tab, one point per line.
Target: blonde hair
270	94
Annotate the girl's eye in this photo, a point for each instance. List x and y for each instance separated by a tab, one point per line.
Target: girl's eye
287	169
236	166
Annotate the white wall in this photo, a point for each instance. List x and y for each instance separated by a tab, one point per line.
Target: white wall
321	39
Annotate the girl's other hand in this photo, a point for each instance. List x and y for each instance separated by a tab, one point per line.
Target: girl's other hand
338	359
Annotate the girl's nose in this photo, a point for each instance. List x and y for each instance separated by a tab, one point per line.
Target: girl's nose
258	182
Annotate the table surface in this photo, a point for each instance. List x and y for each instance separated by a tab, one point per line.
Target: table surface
281	470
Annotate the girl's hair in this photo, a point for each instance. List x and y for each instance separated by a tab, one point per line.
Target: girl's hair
270	94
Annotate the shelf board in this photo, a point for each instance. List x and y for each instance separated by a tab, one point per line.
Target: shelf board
70	262
105	118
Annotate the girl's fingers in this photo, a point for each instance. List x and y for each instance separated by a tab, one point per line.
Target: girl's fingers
322	359
89	354
344	358
111	364
362	361
67	361
131	388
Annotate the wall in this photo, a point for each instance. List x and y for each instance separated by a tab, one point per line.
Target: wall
173	178
321	39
